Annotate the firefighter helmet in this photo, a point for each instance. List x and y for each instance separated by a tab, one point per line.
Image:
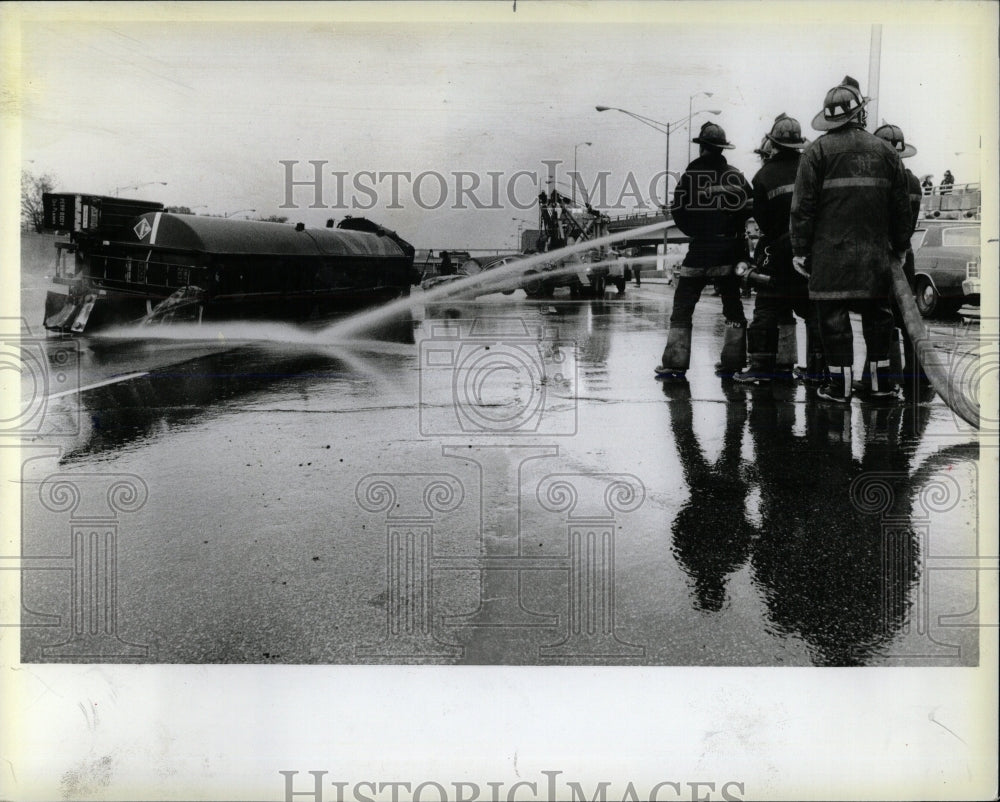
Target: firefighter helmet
713	136
766	149
843	104
893	134
787	133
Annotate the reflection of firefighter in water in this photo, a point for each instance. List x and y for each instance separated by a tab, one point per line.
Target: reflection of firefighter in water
711	534
830	572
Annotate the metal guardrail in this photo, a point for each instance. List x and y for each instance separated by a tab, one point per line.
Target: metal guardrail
955	200
953	189
625	221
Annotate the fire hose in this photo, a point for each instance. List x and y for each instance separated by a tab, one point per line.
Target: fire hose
943	376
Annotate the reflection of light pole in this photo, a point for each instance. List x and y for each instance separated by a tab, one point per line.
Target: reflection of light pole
238	211
139	186
690	102
575	175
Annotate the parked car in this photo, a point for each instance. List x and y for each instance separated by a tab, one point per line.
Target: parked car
946	254
473	266
971	287
579	273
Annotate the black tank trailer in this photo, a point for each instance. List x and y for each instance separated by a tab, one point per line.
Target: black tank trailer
130	261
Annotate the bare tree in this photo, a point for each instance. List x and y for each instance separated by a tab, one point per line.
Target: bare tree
32	188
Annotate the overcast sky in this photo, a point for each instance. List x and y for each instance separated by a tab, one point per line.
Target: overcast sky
212	108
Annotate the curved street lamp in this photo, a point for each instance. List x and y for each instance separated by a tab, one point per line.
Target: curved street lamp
139	186
663	128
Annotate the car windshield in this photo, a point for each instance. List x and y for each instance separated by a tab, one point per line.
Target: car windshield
960	237
470	267
917	238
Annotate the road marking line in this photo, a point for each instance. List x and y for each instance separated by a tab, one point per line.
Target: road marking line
115	380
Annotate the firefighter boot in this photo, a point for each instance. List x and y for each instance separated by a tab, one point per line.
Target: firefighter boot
677	355
839	387
895	358
881	383
891	373
734	349
761	370
788	351
814	373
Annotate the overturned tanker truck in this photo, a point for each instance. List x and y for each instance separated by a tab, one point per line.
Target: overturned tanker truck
129	261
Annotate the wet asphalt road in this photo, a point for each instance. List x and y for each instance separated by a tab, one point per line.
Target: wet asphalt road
514	486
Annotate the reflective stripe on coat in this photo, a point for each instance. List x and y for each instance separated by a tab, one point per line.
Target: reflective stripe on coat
711	205
850	213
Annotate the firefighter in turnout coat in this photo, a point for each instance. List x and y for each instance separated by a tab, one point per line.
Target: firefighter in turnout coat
785	291
910	369
711	206
850	219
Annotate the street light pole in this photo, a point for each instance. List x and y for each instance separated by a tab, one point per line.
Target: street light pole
690	114
139	186
663	128
575	174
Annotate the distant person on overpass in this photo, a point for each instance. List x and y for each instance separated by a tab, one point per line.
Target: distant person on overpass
947	182
927	185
